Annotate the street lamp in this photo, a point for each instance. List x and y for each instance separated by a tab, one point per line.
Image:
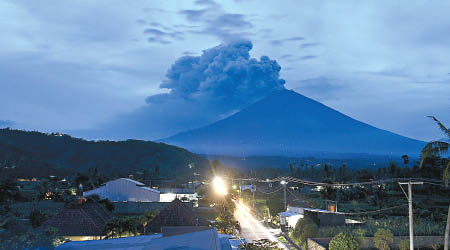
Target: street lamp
219	186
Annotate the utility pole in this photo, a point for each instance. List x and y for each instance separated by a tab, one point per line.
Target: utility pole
253	192
409	197
253	199
284	183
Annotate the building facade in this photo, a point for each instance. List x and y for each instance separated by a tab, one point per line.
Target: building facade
125	190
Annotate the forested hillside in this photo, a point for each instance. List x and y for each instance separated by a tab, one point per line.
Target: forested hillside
33	154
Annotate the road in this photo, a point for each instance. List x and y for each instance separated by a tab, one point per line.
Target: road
253	229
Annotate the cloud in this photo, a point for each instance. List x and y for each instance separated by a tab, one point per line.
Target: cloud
160	36
201	90
6	123
194	15
189	53
309	45
286	56
307	57
281	41
216	22
320	87
141	21
206	2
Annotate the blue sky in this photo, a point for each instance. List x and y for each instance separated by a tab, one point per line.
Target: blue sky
76	66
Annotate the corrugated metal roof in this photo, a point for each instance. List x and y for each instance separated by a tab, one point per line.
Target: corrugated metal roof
135	182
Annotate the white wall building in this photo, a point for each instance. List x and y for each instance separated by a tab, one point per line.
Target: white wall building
125	189
184	194
325	217
291	216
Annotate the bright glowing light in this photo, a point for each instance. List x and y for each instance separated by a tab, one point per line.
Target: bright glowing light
283	182
219	186
254	226
234	186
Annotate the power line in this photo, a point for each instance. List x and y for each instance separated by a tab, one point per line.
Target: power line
374	211
271	191
357	213
315	183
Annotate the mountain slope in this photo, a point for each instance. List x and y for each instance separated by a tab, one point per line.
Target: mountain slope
58	153
287	123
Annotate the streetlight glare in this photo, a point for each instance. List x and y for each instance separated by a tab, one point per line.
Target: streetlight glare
219	186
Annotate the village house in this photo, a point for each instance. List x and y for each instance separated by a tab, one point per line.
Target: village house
177	214
184	194
289	218
125	190
80	222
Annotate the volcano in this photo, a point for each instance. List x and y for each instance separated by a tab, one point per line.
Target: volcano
287	123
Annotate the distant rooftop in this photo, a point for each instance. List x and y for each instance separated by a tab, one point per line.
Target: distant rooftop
175	215
84	220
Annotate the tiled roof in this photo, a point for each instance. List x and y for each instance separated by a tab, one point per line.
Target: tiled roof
85	220
175	214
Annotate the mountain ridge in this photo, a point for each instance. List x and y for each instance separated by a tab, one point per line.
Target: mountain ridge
59	153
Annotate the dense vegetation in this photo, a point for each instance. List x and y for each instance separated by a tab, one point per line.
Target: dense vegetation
34	154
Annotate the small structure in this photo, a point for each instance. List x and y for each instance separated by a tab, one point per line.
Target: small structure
184	194
125	189
321	217
174	215
82	222
205	239
291	216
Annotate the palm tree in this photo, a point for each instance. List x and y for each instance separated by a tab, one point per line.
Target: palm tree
438	148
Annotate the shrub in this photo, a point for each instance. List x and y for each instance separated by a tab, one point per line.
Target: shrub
404	245
304	229
360	235
383	237
344	241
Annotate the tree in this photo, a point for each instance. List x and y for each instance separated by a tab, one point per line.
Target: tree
8	190
304	229
275	205
380	196
405	160
226	222
46	239
328	192
438	148
383	237
157	171
343	241
404	245
360	235
146	217
37	217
